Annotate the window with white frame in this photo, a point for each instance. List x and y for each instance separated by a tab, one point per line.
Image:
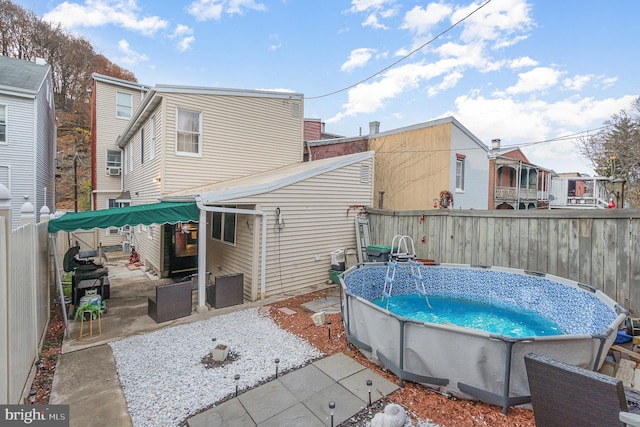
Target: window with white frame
152	138
223	226
114	204
124	105
114	162
188	133
460	163
3	124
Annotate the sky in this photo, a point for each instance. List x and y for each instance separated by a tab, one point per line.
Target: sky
524	72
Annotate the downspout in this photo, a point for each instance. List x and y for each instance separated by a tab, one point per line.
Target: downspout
309	158
202	260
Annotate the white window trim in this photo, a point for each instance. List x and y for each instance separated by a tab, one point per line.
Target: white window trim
186	153
462	161
6	125
235	229
142	145
130	145
130	106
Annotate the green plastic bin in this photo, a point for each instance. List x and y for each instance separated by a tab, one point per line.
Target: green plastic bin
378	253
333	275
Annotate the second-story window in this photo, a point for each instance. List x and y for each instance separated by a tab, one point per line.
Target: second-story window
124	105
460	160
152	138
142	146
188	133
3	124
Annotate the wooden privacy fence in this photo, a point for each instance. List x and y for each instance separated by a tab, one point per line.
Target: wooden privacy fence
596	247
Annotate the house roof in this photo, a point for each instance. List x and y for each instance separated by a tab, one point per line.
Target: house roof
20	77
424	125
120	82
154	97
266	182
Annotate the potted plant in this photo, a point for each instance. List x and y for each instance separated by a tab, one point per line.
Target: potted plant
219	351
92	309
446	199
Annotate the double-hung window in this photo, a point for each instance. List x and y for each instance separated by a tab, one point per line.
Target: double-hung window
124	105
114	162
188	136
3	124
460	161
113	204
223	226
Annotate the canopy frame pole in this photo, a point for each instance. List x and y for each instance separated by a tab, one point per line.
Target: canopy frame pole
263	254
60	288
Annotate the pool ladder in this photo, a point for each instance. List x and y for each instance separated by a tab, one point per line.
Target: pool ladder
389	278
416	275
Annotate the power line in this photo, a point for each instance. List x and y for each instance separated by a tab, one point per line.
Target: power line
404	57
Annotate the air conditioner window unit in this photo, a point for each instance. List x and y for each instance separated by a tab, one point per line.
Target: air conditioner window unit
113	170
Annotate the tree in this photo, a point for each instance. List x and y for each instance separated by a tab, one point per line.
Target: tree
615	150
73	60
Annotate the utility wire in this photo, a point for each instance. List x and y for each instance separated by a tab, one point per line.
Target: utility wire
404	57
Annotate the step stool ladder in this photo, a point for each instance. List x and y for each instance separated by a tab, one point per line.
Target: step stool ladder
416	275
389	278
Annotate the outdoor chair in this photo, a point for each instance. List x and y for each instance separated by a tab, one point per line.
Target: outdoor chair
171	301
568	396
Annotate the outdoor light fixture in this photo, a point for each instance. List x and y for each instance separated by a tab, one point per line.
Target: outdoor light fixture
277	362
237	379
369	384
332	406
329	327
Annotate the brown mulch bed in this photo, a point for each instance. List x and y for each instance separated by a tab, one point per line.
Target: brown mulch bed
419	401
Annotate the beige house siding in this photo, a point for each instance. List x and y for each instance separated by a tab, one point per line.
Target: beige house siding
241	135
224	258
420	156
318	219
107	128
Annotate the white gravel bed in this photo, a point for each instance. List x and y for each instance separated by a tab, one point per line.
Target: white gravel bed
165	381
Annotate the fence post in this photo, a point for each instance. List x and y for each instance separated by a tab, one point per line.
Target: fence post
5	234
27	213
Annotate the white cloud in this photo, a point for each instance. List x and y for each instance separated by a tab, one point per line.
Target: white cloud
522	62
131	56
577	82
203	10
275	46
185	37
96	13
372	21
449	81
538	79
374	9
497	21
536	120
421	21
358	58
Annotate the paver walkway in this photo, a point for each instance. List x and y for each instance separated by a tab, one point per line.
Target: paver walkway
301	397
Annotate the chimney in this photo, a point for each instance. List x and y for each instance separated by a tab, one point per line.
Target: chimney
495	144
374	127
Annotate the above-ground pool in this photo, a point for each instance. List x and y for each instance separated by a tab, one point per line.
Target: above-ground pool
473	363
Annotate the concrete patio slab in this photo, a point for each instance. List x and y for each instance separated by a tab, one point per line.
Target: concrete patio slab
347	404
306	381
338	366
296	416
357	384
267	400
228	414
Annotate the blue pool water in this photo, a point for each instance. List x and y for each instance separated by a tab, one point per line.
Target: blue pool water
499	319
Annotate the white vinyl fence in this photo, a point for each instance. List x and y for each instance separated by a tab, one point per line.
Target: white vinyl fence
24	303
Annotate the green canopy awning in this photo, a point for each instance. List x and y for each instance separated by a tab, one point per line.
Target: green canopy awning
155	213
